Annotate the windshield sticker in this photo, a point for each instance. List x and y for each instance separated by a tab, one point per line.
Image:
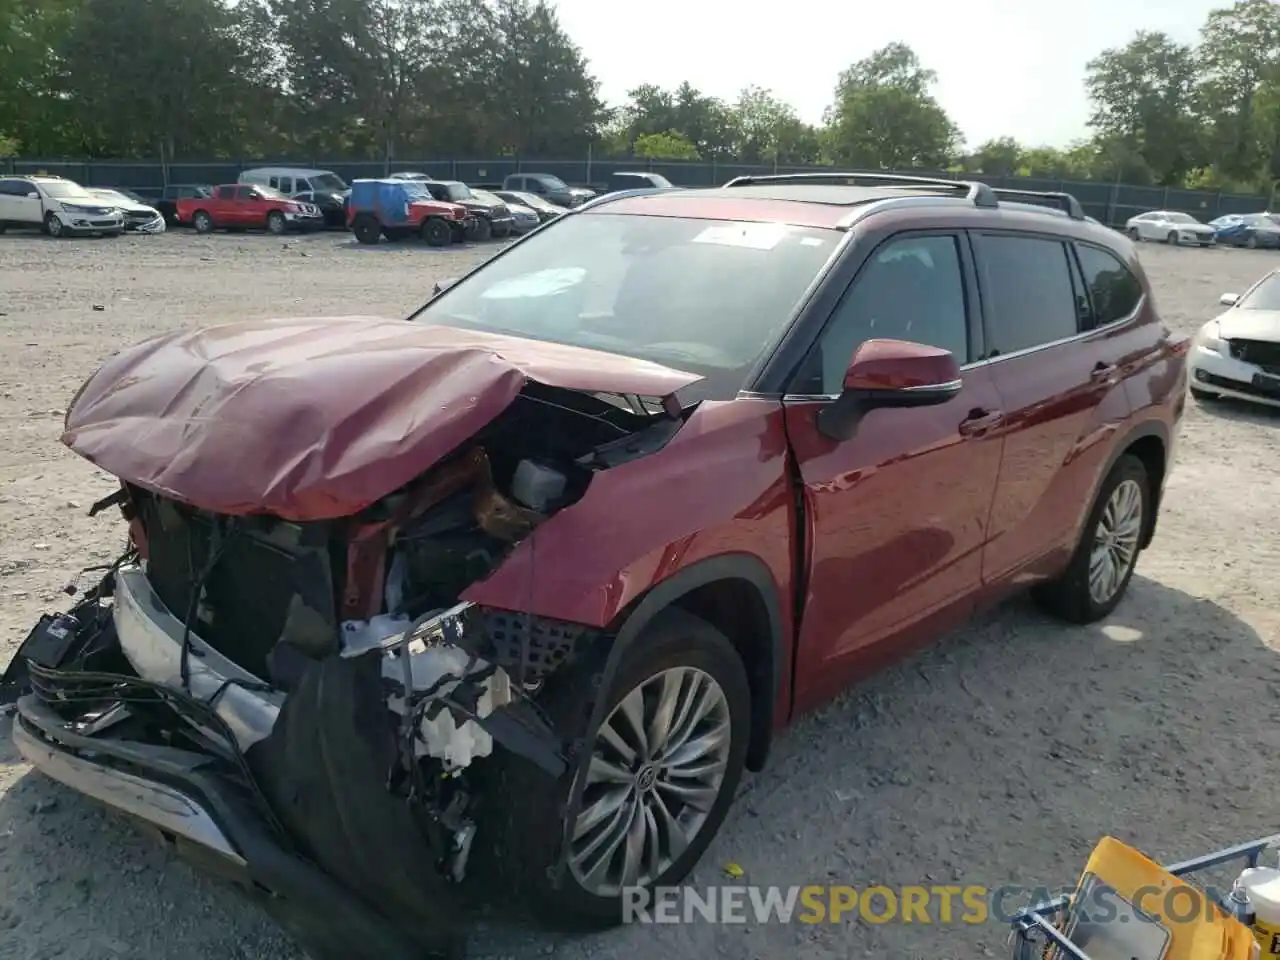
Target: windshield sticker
811	241
543	283
755	236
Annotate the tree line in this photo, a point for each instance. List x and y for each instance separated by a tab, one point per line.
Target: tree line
368	79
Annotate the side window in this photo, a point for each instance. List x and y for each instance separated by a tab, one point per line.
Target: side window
273	182
12	188
1027	291
300	186
1112	287
226	193
534	185
911	288
245	193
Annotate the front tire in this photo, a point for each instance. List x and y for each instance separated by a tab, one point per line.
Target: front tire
1105	558
1135	235
1172	238
1252	242
276	223
482	231
436	232
664	767
53	226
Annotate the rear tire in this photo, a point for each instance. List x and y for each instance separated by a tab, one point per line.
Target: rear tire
436	232
202	222
1098	575
367	230
518	863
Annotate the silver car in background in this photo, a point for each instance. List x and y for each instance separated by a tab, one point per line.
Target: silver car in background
139	216
1170	226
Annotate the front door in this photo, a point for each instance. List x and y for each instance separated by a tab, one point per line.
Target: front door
1062	392
894	518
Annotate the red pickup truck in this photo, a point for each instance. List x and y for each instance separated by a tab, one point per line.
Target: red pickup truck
239	206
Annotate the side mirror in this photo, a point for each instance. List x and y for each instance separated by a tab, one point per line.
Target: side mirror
890	373
33	195
1229	299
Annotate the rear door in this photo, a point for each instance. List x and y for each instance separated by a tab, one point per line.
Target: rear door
9	192
247	209
1060	385
224	206
895	517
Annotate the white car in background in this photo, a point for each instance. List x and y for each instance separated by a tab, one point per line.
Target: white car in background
1170	226
1237	354
139	216
57	206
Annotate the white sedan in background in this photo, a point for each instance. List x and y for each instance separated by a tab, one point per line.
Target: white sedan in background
1169	226
1237	354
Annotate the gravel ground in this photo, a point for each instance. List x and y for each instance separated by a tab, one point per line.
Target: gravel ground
997	757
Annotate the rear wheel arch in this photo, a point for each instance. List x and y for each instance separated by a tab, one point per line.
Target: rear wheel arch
737	595
1149	442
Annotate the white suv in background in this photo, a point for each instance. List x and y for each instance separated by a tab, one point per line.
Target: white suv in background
57	206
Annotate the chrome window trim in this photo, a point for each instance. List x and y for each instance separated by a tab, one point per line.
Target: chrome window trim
972	365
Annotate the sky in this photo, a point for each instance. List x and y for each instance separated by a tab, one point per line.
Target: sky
1004	68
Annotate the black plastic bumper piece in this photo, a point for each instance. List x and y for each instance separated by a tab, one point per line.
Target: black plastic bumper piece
329	921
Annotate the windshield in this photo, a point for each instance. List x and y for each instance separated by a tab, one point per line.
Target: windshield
111	196
458	191
703	296
486	196
658	180
552	183
1265	296
271	193
65	190
327	182
415	190
1181	218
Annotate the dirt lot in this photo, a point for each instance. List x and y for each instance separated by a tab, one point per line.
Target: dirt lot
998	757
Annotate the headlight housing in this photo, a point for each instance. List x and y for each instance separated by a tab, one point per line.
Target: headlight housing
1210	338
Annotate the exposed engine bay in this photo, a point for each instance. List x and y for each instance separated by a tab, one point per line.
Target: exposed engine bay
329	664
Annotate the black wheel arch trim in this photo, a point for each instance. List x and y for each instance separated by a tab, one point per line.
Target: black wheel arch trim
662	596
1148	428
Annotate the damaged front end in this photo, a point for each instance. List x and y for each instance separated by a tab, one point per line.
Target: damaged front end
301	704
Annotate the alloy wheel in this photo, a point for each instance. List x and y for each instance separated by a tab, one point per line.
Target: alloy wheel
656	769
1115	541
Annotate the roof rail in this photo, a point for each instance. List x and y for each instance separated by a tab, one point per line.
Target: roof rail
1063	201
979	193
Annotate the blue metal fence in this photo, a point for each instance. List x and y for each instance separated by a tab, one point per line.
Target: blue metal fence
1111	203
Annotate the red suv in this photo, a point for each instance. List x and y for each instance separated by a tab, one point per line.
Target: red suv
504	596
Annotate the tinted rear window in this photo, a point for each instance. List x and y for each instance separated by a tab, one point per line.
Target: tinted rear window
1028	299
1113	288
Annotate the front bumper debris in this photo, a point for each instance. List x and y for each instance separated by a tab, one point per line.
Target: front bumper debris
205	818
339	802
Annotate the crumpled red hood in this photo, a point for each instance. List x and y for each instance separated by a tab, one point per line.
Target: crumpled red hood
311	419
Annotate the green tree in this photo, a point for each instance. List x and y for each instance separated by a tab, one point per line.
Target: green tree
1000	157
768	130
1143	97
669	145
142	76
885	116
1239	51
32	32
